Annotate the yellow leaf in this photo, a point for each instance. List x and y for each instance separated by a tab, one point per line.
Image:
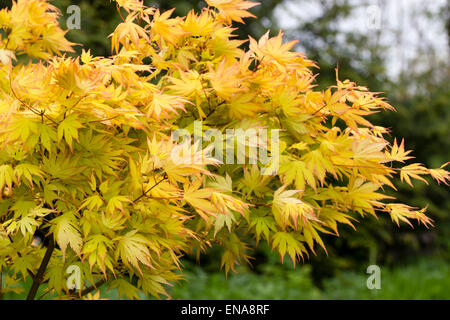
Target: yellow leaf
69	129
66	233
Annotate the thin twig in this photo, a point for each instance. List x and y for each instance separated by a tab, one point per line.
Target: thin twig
89	289
94	287
319	110
144	194
42	114
120	14
215	109
44	294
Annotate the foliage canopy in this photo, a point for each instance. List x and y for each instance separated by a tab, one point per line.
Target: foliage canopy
86	149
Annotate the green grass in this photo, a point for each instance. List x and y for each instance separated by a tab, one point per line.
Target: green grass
425	279
274	283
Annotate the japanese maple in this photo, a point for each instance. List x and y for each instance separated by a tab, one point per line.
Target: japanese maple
87	144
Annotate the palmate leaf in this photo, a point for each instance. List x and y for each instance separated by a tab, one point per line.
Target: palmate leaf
233	10
398	153
47	136
221	220
56	275
63	167
189	84
22	207
23	129
24	263
287	242
27	171
254	182
65	231
96	249
94	201
234	253
166	28
440	174
263	225
401	212
68	129
125	288
415	170
26	225
297	172
128	30
311	236
290	210
331	217
116	203
197	198
6	176
132	248
164	104
154	283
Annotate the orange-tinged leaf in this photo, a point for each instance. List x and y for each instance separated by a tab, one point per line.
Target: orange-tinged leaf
398	153
233	10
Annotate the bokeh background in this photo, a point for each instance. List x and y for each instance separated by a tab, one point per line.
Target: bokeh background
400	48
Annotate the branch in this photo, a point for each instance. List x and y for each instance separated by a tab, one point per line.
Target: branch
42	114
40	273
94	287
120	14
89	289
144	194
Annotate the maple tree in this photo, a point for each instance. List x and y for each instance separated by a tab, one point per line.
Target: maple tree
86	145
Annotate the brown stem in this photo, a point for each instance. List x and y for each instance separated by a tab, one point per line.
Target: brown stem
120	14
144	194
44	294
89	289
94	287
37	280
42	114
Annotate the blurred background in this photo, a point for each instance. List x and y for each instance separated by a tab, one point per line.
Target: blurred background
400	48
